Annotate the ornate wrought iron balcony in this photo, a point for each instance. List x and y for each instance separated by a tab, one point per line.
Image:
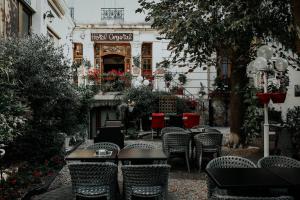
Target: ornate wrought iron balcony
112	14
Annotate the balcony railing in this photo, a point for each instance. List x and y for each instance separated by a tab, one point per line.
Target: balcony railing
28	2
112	14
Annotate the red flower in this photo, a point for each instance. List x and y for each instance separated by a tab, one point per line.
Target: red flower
46	162
13	181
37	173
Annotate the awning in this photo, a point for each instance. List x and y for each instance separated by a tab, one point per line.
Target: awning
106	99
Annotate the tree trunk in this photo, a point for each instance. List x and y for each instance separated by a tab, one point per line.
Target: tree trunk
238	79
296	12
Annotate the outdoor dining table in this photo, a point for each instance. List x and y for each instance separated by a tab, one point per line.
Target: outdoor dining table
256	179
142	156
89	155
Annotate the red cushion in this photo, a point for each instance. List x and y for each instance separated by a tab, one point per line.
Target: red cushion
191	119
158	120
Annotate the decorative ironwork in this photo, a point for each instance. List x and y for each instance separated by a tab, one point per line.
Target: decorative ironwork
28	2
167	104
112	14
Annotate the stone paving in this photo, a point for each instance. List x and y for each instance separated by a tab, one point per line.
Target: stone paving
182	185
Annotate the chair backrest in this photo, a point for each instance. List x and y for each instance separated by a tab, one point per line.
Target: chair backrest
209	139
278	162
176	140
209	130
104	145
91	174
230	162
158	120
113	123
175	120
190	120
139	146
145	175
110	134
172	129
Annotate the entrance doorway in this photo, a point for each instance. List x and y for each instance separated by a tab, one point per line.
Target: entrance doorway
113	62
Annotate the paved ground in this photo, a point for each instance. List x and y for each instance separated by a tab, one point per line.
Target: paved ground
182	185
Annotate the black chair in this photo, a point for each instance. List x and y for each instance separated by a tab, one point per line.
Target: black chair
175	120
110	134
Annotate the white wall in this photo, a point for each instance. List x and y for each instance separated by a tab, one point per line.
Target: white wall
62	26
89	11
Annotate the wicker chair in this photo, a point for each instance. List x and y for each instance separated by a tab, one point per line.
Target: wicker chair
139	146
104	145
94	180
176	143
278	162
225	162
145	181
171	129
207	143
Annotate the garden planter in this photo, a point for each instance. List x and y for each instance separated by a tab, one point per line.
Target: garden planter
263	98
278	97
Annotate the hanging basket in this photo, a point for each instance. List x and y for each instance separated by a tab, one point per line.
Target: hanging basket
263	98
278	97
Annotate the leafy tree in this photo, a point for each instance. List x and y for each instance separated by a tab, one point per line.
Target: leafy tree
40	79
197	29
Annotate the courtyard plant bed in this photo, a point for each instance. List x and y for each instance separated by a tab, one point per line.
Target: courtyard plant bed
24	180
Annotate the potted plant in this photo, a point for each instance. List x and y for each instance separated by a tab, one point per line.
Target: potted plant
168	78
278	88
263	97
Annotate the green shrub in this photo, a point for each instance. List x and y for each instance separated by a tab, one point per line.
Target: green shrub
40	80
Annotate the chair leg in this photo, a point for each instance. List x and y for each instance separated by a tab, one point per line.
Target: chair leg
152	133
200	160
187	161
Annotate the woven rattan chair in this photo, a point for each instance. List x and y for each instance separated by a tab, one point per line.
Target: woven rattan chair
207	143
177	143
145	181
171	129
104	145
139	146
278	162
226	162
209	130
94	180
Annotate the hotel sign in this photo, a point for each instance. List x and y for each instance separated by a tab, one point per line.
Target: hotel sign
112	36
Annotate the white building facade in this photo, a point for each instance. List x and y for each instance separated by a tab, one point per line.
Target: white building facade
110	30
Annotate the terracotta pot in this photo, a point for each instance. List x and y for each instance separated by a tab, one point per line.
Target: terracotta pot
264	98
278	97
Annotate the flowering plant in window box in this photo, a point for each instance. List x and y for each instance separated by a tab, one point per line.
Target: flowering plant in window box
278	89
94	74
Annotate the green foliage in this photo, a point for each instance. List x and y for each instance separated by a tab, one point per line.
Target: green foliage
198	28
293	124
253	116
168	76
40	81
182	78
145	100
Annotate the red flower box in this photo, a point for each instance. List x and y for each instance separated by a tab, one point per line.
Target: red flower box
264	98
278	97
